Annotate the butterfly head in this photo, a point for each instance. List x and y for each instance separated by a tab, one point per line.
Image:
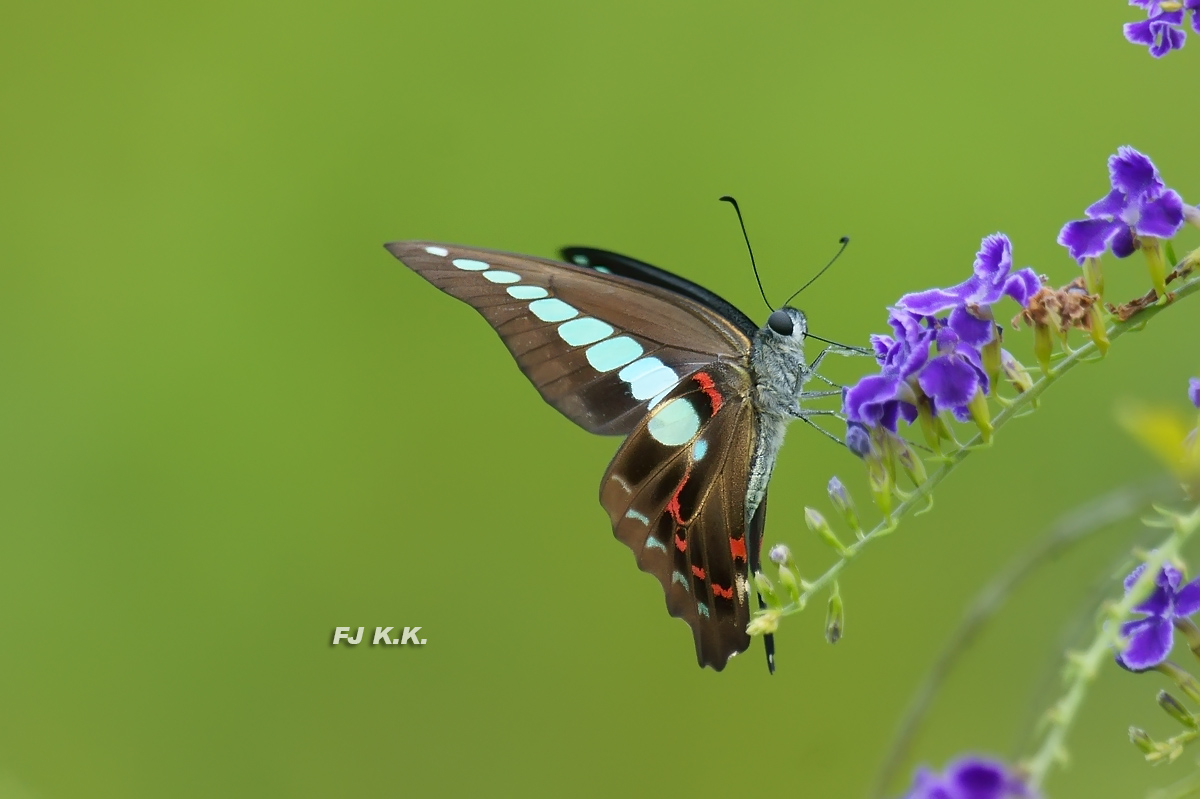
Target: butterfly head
788	322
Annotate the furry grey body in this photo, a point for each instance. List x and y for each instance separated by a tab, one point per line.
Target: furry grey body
779	371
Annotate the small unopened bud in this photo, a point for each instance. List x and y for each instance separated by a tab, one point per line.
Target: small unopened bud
930	427
1097	331
1016	373
1188	629
989	355
857	440
1155	265
1185	681
1043	346
835	619
1139	738
911	463
1191	213
816	522
840	498
765	590
764	623
1093	277
980	414
780	554
791	586
1175	710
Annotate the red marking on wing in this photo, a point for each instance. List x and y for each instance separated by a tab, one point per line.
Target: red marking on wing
724	593
680	541
710	388
699	572
737	548
673	505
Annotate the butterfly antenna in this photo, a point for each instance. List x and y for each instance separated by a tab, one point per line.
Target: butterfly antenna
845	240
728	199
851	347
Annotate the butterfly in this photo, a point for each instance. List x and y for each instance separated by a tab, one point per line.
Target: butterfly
701	394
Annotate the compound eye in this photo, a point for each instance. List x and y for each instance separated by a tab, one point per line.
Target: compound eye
780	322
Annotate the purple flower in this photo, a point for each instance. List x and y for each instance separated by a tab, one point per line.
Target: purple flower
1194	391
952	378
879	400
969	300
1139	203
1162	31
970	778
1150	638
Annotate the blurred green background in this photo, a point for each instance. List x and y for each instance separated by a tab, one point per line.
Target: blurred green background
230	421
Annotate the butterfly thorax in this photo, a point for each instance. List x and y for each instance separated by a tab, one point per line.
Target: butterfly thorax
779	371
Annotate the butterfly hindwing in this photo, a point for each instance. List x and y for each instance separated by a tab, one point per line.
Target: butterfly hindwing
599	347
676	492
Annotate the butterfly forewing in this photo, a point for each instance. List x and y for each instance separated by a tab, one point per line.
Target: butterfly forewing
675	493
599	347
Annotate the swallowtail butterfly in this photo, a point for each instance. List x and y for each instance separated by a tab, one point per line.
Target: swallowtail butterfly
701	394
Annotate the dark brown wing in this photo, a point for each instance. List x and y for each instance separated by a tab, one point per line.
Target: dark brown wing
600	348
676	494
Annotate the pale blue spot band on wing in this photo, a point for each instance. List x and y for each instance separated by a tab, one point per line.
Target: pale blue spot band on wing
584	330
552	310
641	517
647	377
699	449
442	251
527	292
677	577
613	353
654	542
675	423
500	276
703	608
470	265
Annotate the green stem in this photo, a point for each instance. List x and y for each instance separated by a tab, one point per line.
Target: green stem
1085	665
1017	405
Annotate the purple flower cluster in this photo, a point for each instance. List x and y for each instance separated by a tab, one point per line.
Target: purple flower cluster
934	357
1150	638
1140	204
969	778
1162	30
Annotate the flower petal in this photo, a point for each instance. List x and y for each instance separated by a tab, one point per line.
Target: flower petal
1109	206
1022	285
1086	238
1157	604
914	357
1187	599
994	259
1149	640
1162	217
1134	174
970	328
949	380
1122	242
934	301
973	778
1133	576
1139	32
882	346
864	399
1194	383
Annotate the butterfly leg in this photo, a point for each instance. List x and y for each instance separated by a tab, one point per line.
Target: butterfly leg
815	394
822	431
